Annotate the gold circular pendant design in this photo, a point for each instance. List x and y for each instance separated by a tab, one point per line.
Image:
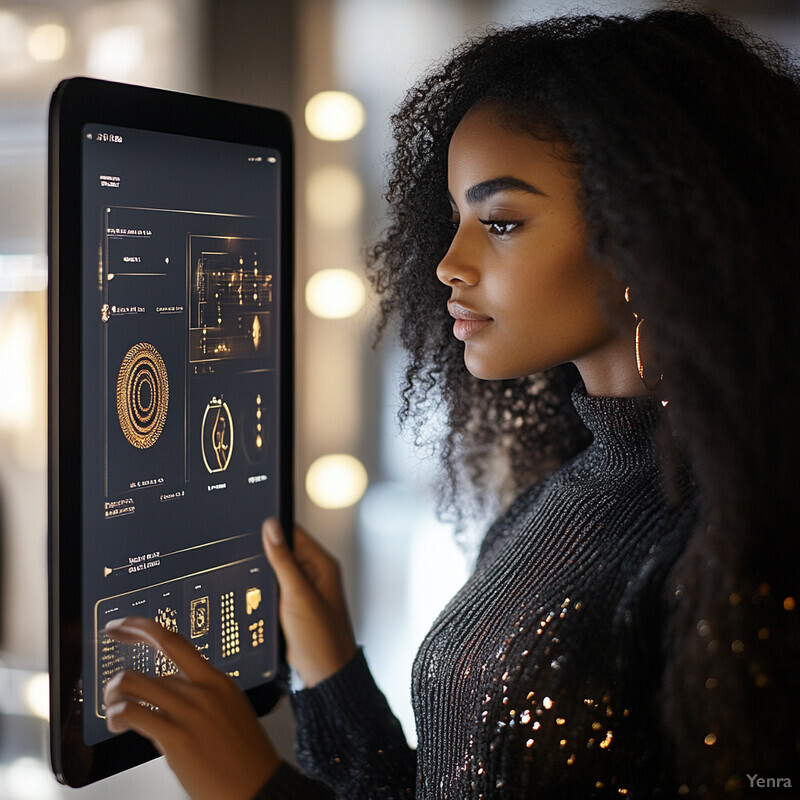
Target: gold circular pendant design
142	395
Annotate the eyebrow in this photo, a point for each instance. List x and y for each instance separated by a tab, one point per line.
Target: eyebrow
484	190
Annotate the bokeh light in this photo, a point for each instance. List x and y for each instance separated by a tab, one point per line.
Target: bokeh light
116	52
36	693
47	42
335	293
336	481
334	116
334	197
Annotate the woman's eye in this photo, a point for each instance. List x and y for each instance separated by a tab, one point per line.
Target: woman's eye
500	227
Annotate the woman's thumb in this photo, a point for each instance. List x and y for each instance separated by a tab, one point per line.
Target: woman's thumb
280	556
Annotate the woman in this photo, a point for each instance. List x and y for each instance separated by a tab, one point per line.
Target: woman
612	204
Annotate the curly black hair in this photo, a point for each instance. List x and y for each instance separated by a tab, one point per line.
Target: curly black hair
684	131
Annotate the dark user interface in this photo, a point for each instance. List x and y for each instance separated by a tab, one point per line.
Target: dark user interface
180	427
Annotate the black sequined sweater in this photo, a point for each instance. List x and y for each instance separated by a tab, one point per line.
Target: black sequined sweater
541	677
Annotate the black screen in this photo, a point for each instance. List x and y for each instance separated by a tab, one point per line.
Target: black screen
180	427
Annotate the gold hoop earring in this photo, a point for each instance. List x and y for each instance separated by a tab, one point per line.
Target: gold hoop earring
639	362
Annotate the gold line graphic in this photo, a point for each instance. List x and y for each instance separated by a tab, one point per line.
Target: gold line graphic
108	570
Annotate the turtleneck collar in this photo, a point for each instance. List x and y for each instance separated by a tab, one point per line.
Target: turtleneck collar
619	423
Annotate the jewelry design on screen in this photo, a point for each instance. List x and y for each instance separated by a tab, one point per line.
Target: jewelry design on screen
217	435
200	617
168	618
142	395
253	430
253	600
230	627
257	633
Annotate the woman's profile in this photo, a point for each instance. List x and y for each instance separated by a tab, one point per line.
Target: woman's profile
592	261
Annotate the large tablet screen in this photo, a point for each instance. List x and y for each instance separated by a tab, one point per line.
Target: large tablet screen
179	374
178	366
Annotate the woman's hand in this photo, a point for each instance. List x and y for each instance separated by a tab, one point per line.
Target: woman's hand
198	717
319	639
202	722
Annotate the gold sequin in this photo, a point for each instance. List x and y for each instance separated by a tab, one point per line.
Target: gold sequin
547	703
607	741
710	739
788	604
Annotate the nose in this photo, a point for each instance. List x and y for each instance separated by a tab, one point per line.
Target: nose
458	265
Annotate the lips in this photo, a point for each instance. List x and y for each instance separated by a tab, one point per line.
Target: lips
467	322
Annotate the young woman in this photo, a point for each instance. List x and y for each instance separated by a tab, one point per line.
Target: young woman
593	262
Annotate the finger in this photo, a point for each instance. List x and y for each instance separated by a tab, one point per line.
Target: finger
168	696
321	569
291	578
306	548
306	560
130	716
182	653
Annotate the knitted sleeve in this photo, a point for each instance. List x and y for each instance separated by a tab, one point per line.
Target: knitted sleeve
349	743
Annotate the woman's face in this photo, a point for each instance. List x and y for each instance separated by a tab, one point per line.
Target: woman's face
524	292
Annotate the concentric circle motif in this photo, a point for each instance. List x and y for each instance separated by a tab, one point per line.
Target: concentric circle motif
142	395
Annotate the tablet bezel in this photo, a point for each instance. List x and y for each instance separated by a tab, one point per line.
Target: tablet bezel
76	102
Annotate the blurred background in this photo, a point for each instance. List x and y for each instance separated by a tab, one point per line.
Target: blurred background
339	68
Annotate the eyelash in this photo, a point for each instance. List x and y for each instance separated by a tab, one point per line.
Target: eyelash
495	225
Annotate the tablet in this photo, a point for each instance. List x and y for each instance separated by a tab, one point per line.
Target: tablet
171	247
